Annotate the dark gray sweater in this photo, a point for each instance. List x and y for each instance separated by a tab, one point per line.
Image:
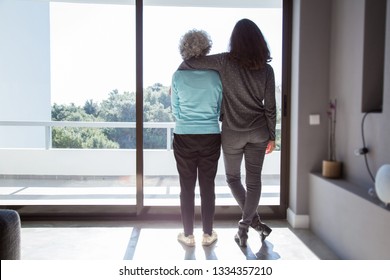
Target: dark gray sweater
248	95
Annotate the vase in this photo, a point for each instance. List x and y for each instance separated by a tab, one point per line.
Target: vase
331	169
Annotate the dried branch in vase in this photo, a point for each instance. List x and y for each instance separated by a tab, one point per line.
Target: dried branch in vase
332	129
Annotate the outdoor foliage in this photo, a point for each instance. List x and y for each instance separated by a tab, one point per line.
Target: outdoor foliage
119	107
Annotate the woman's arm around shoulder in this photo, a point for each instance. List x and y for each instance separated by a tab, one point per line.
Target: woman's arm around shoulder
211	62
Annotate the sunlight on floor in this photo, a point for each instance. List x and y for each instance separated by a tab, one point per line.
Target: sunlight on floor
121	243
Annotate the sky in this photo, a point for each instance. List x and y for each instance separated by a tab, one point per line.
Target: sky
93	45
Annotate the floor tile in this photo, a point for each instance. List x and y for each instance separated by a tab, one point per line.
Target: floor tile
157	240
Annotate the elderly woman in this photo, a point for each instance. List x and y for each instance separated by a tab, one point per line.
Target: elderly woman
196	102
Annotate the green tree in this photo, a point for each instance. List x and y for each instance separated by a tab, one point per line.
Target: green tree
118	107
77	137
91	108
81	138
157	108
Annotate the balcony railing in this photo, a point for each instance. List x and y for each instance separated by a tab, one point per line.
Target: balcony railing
87	176
48	125
95	162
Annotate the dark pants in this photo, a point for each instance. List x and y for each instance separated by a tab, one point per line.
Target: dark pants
197	156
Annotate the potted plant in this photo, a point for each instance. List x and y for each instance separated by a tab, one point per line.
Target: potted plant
331	168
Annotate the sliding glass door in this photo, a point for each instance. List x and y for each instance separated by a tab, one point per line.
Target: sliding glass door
100	124
164	22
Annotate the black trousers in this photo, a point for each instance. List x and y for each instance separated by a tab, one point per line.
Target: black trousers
197	157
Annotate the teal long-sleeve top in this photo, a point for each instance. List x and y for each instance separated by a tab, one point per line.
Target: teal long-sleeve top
196	97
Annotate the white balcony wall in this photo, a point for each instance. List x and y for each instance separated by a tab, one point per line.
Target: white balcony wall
100	162
24	71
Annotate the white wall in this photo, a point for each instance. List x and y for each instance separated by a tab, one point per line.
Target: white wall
347	46
309	95
24	70
110	162
354	227
351	226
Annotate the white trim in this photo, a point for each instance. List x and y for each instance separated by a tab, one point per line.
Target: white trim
297	221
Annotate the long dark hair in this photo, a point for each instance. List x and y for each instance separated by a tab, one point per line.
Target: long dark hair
248	46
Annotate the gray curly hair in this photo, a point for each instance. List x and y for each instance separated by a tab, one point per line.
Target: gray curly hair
195	43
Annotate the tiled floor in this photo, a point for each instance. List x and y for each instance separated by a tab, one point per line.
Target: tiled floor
156	240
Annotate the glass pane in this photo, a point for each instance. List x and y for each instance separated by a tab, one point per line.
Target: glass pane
87	155
93	80
164	24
